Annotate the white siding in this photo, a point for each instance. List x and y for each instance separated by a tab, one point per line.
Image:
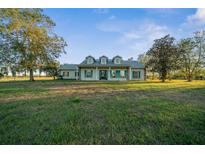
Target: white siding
141	74
72	74
94	76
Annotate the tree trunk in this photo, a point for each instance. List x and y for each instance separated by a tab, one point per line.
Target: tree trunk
169	76
31	75
153	75
54	77
164	74
189	78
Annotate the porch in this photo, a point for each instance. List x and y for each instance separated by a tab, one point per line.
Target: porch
105	73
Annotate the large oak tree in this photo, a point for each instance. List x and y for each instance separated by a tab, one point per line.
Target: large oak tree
163	56
27	36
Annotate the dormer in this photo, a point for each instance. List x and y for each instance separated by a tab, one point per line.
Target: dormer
117	60
90	60
103	60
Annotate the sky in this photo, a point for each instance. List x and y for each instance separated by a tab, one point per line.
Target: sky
124	32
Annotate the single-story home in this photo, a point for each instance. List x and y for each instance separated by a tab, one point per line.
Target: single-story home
104	69
69	71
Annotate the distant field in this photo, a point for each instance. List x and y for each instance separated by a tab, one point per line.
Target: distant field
128	112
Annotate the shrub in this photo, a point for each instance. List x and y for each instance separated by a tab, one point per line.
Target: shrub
1	75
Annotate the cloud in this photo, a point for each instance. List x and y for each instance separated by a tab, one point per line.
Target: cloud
136	36
198	17
101	11
192	23
141	38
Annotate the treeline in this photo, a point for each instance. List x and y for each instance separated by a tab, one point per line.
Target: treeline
183	59
28	42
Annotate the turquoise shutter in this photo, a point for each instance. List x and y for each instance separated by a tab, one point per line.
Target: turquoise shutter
125	73
85	74
139	74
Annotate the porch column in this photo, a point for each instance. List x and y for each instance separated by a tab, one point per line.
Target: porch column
130	74
79	74
96	73
109	73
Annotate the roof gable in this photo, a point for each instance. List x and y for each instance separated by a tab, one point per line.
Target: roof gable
110	62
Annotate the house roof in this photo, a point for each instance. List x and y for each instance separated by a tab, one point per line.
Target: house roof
103	56
125	63
68	67
135	64
90	57
117	57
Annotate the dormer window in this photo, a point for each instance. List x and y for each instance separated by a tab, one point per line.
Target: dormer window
117	61
103	60
90	60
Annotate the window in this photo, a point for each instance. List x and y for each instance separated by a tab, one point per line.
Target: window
118	73
123	73
67	73
76	73
136	74
88	73
126	73
63	73
103	60
117	60
90	60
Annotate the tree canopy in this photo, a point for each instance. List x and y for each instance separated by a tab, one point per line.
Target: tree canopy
192	54
27	38
162	55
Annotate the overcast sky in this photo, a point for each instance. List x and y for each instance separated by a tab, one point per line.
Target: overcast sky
124	32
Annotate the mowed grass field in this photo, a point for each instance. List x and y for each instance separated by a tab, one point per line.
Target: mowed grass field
128	112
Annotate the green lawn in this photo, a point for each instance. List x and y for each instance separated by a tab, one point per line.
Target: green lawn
73	112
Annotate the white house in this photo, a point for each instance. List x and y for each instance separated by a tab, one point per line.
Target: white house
104	69
69	71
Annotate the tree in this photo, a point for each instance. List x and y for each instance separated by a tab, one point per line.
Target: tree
163	56
192	54
28	33
52	68
143	59
8	56
1	75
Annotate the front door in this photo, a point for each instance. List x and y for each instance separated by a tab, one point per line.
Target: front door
103	74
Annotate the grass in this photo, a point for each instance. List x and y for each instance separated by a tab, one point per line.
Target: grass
74	112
